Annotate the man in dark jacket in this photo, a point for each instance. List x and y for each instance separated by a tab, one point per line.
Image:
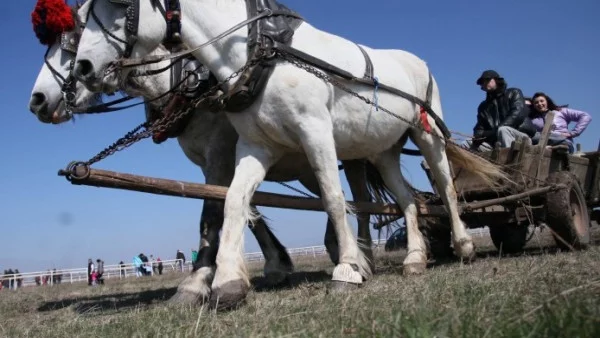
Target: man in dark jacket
502	116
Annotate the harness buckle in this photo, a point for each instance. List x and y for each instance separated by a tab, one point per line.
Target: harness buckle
173	14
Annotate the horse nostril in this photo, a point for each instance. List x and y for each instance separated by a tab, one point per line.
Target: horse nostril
37	102
38	99
83	69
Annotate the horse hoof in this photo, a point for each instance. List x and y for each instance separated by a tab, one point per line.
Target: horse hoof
414	268
229	296
466	250
470	259
336	287
183	297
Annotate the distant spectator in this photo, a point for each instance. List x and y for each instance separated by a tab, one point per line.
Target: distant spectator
56	277
181	259
11	279
153	262
160	266
194	256
90	269
145	263
122	268
94	277
100	271
137	265
18	278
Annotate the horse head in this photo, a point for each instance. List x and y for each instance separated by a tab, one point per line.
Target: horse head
113	31
55	92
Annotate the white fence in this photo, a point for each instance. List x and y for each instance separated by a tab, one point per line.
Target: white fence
78	275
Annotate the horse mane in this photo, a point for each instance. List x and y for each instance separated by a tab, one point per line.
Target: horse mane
50	18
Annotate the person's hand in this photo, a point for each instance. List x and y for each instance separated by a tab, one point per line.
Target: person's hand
567	135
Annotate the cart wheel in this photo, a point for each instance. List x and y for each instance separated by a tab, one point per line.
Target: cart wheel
567	213
510	238
438	238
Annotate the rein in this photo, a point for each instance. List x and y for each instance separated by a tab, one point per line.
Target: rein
127	63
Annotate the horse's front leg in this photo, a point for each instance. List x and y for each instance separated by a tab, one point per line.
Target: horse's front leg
231	282
319	146
196	287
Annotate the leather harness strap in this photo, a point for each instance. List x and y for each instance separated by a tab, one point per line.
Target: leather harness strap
318	63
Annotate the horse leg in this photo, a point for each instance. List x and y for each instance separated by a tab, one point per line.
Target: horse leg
433	150
356	174
196	287
319	146
310	182
278	263
387	163
231	282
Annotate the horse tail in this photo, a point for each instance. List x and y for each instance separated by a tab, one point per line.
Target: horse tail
486	171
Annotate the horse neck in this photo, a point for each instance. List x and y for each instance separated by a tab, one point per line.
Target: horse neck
204	20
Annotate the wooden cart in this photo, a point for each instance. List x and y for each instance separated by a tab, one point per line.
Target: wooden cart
549	187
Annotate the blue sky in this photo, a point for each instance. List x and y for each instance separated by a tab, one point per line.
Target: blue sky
549	45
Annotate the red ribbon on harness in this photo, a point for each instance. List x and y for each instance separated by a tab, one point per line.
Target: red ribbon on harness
424	120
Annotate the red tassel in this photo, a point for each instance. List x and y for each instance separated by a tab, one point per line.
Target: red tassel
424	120
50	18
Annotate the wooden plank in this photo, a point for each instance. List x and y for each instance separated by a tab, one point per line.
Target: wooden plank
161	186
541	147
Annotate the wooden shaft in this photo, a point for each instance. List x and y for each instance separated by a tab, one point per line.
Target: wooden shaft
161	186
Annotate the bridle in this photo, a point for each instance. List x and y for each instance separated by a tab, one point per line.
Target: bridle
69	42
171	12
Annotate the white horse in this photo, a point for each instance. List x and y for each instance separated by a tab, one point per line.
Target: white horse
208	141
296	113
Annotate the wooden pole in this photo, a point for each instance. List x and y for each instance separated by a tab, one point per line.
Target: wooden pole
161	186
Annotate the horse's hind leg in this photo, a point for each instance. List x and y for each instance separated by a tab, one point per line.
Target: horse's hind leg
356	174
433	150
387	164
278	264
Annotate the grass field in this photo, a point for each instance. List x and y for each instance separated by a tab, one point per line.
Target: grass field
542	293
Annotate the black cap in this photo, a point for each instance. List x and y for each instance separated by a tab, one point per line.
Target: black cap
487	75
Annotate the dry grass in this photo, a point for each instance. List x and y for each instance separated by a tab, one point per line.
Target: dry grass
539	294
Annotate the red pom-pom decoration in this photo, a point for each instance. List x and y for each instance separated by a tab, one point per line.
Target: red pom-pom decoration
50	18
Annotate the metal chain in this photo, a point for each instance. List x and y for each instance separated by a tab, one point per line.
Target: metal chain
166	122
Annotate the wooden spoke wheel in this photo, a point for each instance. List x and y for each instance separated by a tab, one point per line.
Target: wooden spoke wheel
567	213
